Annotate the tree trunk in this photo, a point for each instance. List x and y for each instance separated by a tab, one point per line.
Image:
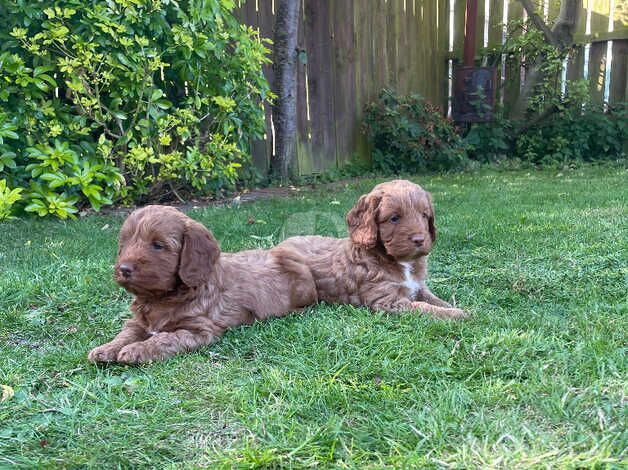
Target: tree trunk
285	84
560	36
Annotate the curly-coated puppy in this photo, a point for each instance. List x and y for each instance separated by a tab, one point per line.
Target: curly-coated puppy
187	293
383	264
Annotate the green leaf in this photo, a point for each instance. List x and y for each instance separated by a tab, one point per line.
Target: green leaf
163	104
54	180
119	115
123	59
156	95
9	134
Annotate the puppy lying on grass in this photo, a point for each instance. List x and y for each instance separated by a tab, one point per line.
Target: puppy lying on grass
187	293
383	264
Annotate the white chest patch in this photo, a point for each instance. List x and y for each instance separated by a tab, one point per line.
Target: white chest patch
409	281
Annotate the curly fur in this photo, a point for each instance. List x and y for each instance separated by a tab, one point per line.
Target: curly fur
187	293
383	263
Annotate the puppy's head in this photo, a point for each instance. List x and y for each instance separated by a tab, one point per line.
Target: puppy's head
395	217
161	248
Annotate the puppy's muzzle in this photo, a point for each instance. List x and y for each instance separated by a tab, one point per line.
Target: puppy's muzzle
418	240
126	270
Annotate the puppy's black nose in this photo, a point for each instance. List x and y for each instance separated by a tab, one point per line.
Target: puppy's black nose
126	270
418	239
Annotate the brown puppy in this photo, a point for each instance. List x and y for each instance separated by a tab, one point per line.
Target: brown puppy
383	265
187	293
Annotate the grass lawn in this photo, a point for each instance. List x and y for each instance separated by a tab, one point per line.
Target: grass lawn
537	377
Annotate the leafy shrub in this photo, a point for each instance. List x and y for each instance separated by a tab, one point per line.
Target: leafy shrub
8	197
490	142
131	99
576	136
410	134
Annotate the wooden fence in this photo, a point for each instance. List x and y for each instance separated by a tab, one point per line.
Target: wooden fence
351	49
602	31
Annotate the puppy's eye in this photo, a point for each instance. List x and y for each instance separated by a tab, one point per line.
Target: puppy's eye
426	215
394	219
158	246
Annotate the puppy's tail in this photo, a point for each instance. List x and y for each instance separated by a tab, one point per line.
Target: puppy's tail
302	285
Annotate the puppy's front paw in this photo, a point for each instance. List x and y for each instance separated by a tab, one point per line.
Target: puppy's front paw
440	312
457	314
135	353
105	353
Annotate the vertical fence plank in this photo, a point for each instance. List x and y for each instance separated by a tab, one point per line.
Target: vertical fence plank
380	49
495	41
512	83
619	73
459	13
495	24
344	56
427	32
575	64
318	45
479	27
304	130
364	71
442	78
423	46
410	55
266	22
391	43
401	46
597	71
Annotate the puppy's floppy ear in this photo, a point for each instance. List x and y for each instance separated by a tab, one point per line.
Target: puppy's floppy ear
430	220
362	221
199	253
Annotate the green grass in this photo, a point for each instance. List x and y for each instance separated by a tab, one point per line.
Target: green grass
537	377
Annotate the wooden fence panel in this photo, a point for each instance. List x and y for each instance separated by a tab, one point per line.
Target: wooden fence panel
380	51
496	24
575	65
442	28
351	49
304	127
364	75
619	83
318	44
459	13
344	89
391	44
479	25
512	82
597	71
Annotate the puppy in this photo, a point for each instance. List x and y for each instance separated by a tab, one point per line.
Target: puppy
187	293
383	264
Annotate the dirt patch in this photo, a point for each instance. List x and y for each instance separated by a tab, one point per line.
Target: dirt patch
237	198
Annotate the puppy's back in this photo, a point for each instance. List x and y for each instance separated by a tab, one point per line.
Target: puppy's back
273	282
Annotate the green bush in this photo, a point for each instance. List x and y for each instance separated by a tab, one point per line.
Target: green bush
571	135
131	100
574	136
409	134
490	142
8	197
